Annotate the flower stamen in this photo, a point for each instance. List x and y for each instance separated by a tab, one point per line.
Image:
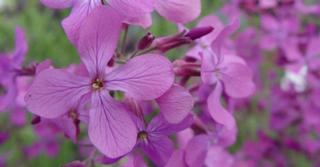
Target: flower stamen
97	84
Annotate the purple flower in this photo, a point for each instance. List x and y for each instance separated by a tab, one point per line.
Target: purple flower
55	91
154	140
228	73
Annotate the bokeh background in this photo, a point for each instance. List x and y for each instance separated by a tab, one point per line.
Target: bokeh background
47	40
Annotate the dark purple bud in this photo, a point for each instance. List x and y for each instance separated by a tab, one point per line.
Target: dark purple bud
36	120
190	59
199	32
145	41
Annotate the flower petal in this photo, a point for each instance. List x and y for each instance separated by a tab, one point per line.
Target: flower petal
132	8
176	159
144	77
98	39
208	66
144	21
54	92
80	11
216	110
213	21
196	151
179	11
218	156
159	125
158	149
227	31
237	79
111	129
57	4
175	104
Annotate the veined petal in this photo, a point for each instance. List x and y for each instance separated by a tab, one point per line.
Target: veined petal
144	21
159	125
216	110
175	104
237	80
54	92
144	77
57	4
111	129
80	11
132	8
98	39
179	11
158	149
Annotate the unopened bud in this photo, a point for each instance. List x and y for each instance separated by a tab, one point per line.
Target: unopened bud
145	41
36	120
199	32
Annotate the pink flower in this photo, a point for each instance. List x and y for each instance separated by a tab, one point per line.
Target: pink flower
55	91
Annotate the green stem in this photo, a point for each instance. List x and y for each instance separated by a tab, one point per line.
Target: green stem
124	40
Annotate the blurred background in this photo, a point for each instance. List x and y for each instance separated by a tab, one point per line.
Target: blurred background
47	40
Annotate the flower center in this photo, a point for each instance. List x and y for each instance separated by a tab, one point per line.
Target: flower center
143	135
97	84
217	73
73	114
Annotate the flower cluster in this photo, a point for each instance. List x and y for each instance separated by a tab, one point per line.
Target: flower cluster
136	107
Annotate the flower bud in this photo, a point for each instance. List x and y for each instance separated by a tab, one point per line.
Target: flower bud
145	41
199	32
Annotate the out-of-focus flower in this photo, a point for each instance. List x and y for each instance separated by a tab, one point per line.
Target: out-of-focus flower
10	63
228	73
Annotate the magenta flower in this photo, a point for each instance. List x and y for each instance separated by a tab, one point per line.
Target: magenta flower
55	91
